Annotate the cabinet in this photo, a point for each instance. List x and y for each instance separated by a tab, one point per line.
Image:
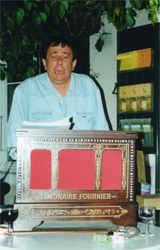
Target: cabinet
138	87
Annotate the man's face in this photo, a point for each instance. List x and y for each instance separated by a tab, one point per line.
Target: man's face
59	64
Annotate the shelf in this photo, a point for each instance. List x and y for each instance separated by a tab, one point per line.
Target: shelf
131	85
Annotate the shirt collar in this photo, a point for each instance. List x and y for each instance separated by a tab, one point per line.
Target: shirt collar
51	85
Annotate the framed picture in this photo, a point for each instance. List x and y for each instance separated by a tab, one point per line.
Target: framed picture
134	60
135	98
142	125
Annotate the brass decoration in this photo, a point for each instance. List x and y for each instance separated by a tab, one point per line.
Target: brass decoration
111	211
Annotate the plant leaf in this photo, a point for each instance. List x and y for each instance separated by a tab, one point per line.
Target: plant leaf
43	17
19	15
63	7
137	4
129	18
99	44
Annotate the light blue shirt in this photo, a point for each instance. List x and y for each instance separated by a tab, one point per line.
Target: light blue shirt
37	100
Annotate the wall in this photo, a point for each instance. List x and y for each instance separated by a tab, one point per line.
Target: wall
103	64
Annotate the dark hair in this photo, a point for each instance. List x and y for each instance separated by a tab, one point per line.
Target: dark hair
54	41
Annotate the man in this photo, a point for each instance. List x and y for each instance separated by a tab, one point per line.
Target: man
56	94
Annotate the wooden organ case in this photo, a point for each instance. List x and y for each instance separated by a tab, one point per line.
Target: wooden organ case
65	176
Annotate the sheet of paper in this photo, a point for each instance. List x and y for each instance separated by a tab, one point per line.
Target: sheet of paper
57	125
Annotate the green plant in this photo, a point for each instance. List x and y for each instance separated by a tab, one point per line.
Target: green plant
26	23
